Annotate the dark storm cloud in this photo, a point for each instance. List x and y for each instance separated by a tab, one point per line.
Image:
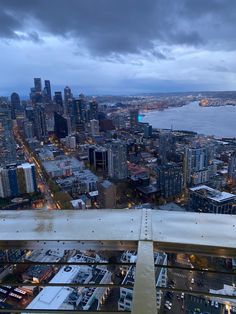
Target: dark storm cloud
126	26
8	25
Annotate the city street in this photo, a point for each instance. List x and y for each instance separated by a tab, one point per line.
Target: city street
192	280
41	182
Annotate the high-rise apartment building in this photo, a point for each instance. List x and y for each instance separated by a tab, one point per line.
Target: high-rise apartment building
58	102
82	109
39	118
94	127
93	110
101	160
68	96
60	126
7	142
17	180
98	158
169	180
196	166
36	94
28	129
147	130
38	85
166	145
15	105
47	91
117	160
134	118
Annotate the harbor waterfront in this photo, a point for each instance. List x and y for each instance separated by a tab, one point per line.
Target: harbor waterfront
218	121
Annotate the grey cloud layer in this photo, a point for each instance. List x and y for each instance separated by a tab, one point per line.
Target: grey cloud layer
106	27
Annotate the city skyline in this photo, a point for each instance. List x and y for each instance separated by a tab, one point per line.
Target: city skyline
118	47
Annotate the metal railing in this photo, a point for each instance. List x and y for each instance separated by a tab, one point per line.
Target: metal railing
107	230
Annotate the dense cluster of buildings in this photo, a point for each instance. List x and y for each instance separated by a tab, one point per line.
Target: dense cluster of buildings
86	143
80	298
96	155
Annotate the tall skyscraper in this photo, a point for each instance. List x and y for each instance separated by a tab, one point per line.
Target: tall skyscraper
166	145
58	102
47	91
15	105
67	96
98	158
169	180
60	126
40	129
134	118
7	142
94	127
36	92
147	130
38	85
82	108
101	160
28	129
117	160
93	110
73	114
196	166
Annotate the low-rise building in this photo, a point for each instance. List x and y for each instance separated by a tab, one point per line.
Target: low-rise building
207	200
63	166
80	182
69	298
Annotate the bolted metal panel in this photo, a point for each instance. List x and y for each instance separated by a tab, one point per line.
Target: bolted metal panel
146	225
194	228
144	296
69	225
119	230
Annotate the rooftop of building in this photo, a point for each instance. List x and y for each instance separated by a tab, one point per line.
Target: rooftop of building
46	256
63	162
106	184
213	194
172	207
84	175
47	152
26	165
150	189
36	271
54	297
77	203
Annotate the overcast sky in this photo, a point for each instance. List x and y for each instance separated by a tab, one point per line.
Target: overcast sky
118	46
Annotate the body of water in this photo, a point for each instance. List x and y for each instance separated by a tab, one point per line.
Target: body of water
217	121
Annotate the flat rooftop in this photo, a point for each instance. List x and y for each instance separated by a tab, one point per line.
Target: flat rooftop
63	162
213	194
55	297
